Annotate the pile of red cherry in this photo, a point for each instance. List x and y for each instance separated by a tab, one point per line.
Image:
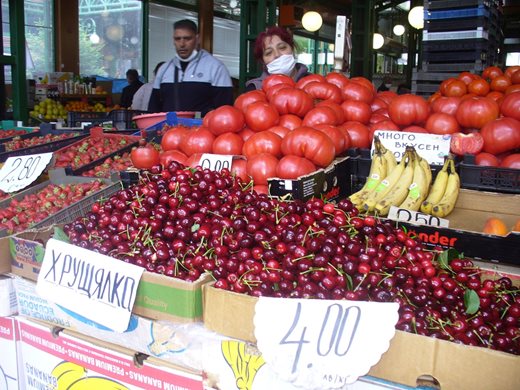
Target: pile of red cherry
182	222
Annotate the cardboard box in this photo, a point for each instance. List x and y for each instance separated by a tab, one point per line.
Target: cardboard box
409	356
330	183
59	359
158	296
467	220
7	297
10	365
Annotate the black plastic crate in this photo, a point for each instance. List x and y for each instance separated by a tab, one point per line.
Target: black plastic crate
474	67
448	4
461	24
43	148
123	119
494	179
76	118
455	56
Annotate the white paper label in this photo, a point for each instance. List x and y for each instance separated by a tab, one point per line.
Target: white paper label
18	172
322	344
404	215
432	147
216	162
90	284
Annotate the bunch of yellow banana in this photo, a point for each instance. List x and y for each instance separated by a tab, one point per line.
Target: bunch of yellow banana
244	365
383	162
444	192
418	190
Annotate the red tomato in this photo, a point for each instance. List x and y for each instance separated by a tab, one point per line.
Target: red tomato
290	121
466	143
511	161
336	135
386	96
320	115
279	130
144	156
415	129
467	77
515	77
386	125
247	98
292	101
358	133
228	143
171	140
309	79
274	89
197	141
193	160
378	103
476	112
207	117
512	88
239	169
496	96
356	90
500	83
293	167
434	96
337	79
336	107
323	91
246	133
261	167
261	189
408	110
378	117
309	143
355	110
510	106
167	157
511	69
226	118
441	123
491	72
274	79
479	87
263	142
486	160
453	87
364	81
260	116
501	135
445	104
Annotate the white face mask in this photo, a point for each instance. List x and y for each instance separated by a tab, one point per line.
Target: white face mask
192	56
282	65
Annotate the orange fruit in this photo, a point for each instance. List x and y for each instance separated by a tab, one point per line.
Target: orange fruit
516	228
495	226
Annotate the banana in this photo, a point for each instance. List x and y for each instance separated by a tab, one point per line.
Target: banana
96	382
438	189
385	185
391	162
447	203
418	190
378	171
427	170
399	191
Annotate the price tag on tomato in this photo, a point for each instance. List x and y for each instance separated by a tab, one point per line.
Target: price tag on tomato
323	344
216	162
404	215
20	171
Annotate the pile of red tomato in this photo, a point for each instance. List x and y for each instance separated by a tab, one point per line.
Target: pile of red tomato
289	129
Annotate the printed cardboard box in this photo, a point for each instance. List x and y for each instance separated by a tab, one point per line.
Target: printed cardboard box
8	305
9	357
158	296
410	356
68	360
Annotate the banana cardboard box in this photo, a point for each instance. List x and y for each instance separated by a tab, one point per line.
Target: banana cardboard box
9	357
65	360
8	305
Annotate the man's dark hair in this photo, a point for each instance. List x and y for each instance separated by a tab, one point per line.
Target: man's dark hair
132	75
186	24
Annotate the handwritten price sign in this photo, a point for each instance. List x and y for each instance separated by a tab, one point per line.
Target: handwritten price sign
323	344
403	215
215	162
18	172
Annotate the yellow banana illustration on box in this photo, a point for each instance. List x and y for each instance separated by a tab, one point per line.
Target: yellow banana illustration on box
97	383
244	365
447	203
418	190
397	194
66	373
385	186
438	188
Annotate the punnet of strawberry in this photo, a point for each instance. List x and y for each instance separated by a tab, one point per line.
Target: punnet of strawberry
184	222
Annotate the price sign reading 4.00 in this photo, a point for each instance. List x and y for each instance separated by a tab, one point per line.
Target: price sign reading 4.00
323	344
18	172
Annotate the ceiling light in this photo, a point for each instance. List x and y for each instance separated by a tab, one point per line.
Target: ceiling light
378	41
416	17
398	30
312	21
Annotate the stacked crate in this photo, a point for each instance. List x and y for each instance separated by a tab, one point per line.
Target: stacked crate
462	35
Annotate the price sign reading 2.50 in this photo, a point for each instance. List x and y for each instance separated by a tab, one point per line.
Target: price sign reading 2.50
18	172
338	328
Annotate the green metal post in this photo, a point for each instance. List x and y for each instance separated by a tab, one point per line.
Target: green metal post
362	57
17	30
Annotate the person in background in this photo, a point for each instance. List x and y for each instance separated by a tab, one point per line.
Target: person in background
386	84
142	96
193	80
132	76
403	89
275	50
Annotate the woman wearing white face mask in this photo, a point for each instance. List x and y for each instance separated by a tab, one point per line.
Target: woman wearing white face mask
274	48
